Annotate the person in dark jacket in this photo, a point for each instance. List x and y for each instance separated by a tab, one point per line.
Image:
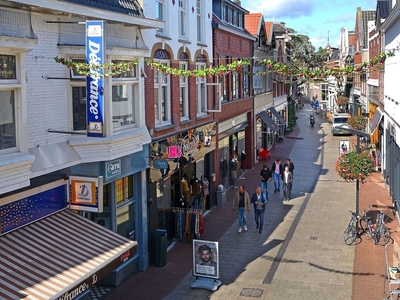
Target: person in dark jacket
266	176
259	201
277	172
291	167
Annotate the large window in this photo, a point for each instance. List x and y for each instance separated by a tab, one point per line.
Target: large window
162	105
183	85
124	97
160	12
199	21
182	18
201	88
223	80
124	196
235	85
8	99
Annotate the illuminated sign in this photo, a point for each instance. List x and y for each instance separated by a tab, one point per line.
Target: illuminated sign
86	193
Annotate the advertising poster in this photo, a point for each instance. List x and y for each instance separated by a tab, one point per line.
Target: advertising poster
344	147
205	259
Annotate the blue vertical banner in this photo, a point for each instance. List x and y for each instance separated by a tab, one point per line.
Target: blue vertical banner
95	81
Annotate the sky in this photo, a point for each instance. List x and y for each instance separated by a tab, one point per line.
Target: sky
314	18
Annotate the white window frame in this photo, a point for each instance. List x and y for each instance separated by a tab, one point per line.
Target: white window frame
201	87
16	86
160	13
199	19
235	85
134	81
182	19
158	85
184	98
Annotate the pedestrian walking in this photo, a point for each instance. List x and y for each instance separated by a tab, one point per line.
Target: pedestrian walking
266	176
277	171
259	201
241	204
287	183
291	167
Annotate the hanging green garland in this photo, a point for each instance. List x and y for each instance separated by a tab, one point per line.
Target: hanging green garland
113	69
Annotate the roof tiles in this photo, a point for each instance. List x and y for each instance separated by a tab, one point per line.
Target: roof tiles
252	23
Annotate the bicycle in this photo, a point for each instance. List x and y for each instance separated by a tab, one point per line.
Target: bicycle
378	232
351	234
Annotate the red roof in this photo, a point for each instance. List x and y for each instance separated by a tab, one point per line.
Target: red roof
268	29
252	23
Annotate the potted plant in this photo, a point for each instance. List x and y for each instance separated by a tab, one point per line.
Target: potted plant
357	122
342	100
351	166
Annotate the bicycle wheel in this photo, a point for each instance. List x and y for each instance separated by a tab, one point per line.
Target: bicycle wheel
382	235
364	224
350	235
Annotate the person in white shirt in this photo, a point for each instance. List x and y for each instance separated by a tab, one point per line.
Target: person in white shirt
287	183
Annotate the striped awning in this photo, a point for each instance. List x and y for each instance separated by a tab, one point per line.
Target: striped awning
59	257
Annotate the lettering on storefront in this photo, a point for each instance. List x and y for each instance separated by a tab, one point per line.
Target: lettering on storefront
75	292
125	256
113	168
189	144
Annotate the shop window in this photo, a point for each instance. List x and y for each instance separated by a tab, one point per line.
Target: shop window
126	220
124	190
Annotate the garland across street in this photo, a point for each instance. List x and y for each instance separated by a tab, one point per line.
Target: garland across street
113	69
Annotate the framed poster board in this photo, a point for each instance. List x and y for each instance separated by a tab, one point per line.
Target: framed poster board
205	259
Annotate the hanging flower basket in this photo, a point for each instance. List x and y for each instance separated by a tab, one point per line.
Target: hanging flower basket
352	166
357	122
342	100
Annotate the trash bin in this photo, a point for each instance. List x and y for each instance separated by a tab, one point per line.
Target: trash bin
221	195
160	248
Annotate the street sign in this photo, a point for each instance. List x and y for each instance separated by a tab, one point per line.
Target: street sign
160	164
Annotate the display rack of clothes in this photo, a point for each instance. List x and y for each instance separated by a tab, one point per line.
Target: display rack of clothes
189	223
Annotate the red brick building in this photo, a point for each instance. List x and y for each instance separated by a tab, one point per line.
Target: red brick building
235	125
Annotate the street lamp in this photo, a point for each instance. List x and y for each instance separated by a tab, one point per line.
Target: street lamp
359	134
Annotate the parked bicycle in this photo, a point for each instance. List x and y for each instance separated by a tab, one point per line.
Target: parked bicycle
379	233
351	234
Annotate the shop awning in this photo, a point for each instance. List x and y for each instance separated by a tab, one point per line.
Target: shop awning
268	121
58	257
277	115
375	120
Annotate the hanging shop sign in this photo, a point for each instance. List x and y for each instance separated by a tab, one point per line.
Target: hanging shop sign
86	193
95	82
160	164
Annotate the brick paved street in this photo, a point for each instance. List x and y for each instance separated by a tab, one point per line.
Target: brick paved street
301	253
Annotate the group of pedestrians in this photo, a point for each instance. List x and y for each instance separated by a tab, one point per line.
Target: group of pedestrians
242	200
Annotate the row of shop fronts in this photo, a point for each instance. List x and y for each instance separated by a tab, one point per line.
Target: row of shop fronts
107	211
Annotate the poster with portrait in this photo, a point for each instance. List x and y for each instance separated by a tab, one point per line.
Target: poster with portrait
205	259
344	147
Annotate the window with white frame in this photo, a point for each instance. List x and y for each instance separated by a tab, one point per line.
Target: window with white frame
201	87
182	18
183	85
223	79
160	15
125	88
162	102
246	81
8	102
324	91
199	12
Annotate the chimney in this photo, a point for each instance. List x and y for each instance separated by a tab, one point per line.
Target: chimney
237	2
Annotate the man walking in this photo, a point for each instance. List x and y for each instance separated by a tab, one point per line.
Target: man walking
287	183
277	170
241	204
259	200
266	176
291	167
